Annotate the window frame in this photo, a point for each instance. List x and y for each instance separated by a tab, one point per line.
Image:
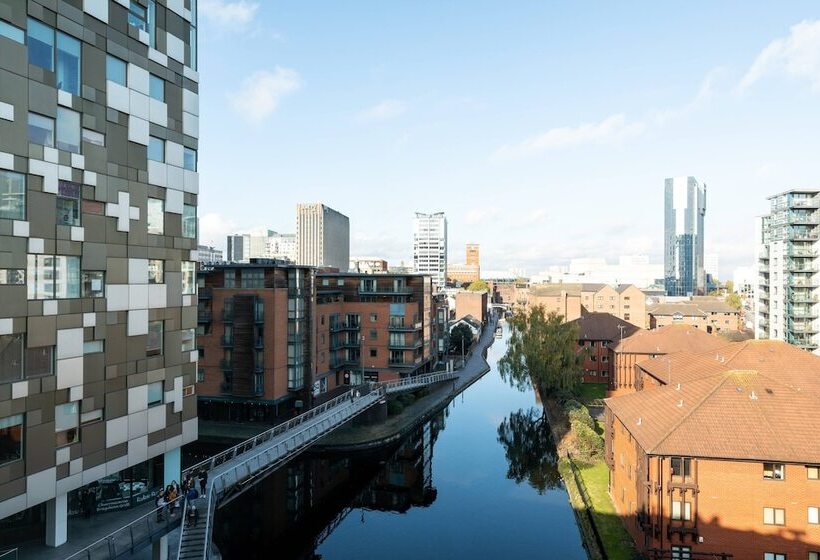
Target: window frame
70	438
773	469
153	142
115	63
151	351
64	195
13	186
154	82
774	516
8	423
154	386
52	133
153	202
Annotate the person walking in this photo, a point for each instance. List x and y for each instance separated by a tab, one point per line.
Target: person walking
203	482
160	503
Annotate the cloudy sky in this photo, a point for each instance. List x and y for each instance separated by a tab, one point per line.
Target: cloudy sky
543	129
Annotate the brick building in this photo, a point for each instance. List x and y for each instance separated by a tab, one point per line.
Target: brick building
724	458
99	134
276	337
596	333
648	344
624	301
708	314
472	303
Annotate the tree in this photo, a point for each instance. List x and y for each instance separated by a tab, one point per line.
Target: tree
461	334
530	452
478	286
541	353
734	300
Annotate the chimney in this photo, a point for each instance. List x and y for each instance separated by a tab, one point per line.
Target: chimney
680	403
753	396
677	388
639	421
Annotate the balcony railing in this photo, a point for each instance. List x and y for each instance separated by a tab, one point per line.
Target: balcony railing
204	317
808	202
412	345
226	340
344	326
803	218
385	290
344	362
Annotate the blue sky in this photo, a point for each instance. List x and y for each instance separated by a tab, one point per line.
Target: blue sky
543	129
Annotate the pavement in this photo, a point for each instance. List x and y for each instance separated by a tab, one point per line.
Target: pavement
355	437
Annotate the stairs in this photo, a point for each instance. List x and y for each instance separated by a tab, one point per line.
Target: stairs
194	539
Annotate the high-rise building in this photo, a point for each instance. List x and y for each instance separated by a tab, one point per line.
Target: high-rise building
265	244
208	254
685	208
322	237
368	265
473	255
430	246
787	248
98	199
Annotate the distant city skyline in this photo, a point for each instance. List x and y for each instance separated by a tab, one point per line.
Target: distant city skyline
563	122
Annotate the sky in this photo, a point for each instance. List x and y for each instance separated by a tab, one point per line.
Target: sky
544	130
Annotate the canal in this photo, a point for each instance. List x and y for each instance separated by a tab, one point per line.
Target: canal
479	480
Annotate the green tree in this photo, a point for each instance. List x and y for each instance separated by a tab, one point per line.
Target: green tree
461	334
734	300
541	353
478	286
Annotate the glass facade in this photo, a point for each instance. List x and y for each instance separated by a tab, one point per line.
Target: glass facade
685	208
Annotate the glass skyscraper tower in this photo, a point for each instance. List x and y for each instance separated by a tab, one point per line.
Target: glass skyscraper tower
685	208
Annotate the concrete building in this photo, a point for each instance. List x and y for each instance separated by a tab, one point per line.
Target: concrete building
596	334
685	209
98	155
430	247
207	254
322	237
787	261
630	269
265	244
368	265
275	337
722	459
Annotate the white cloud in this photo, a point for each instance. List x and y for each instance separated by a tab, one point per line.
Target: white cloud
797	55
387	109
227	15
704	94
214	228
611	130
261	92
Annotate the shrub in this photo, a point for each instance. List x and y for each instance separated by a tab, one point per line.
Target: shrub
581	415
394	407
590	444
572	404
563	395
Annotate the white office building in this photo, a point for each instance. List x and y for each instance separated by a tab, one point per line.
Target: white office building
430	246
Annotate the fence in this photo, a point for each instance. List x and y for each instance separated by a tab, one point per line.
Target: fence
8	554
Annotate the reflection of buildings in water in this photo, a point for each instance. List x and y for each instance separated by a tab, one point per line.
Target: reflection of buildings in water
301	504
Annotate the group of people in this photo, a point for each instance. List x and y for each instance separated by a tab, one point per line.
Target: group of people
167	498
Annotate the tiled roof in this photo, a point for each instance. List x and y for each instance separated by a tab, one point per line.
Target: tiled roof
739	414
602	326
555	289
682	367
666	309
669	339
592	287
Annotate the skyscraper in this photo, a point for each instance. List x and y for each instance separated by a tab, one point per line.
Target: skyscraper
430	246
322	237
787	247
99	123
685	208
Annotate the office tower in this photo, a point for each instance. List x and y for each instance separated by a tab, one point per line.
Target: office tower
685	208
322	237
786	296
208	254
265	244
98	198
430	246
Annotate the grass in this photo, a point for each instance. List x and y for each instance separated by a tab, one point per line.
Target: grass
617	542
591	391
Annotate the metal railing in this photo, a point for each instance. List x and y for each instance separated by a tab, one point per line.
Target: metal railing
419	380
127	539
8	554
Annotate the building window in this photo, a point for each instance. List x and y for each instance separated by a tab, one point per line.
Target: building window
154	340
681	553
774	516
773	471
156	216
68	203
93	137
39	361
53	277
814	515
156	149
12	195
813	472
93	282
67	423
814	555
91	417
93	346
188	277
373	353
40	45
12	276
156	87
188	340
41	130
252	278
68	63
116	70
189	159
11	357
776	556
11	438
374	317
156	271
681	468
138	16
200	375
374	334
682	510
189	221
11	32
68	130
155	394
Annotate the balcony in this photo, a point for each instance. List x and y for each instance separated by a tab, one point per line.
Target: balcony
803	218
801	297
801	252
344	362
763	268
801	282
806	327
401	326
801	266
801	313
226	365
401	364
338	345
385	291
344	326
226	341
806	202
405	345
804	235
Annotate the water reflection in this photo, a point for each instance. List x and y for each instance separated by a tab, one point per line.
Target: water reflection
297	507
530	452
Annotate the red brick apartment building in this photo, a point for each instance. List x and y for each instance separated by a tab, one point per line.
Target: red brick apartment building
724	459
273	338
644	345
596	333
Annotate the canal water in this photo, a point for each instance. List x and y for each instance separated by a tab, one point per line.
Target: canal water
479	480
